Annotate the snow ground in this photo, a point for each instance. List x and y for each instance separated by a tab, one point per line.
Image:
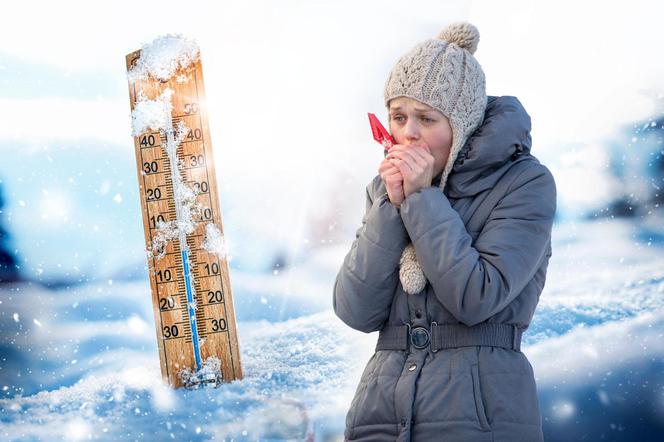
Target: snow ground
81	363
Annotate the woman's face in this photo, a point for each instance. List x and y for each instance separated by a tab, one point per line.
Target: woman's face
415	123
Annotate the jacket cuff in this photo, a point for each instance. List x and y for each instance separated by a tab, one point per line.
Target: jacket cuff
385	227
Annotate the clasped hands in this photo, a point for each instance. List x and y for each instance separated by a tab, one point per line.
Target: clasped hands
405	170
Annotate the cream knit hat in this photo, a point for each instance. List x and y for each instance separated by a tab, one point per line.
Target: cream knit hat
442	73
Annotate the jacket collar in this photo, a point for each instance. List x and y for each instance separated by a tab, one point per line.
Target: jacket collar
491	150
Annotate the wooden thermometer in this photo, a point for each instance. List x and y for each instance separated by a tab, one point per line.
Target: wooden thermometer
189	275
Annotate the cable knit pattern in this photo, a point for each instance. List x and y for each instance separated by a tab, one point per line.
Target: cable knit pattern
444	74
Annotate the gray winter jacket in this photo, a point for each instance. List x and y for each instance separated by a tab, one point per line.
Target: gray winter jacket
484	244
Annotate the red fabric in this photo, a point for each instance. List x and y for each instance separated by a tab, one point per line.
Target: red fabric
380	134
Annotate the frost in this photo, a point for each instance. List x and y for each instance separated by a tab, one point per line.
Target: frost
209	373
165	55
187	208
214	241
151	114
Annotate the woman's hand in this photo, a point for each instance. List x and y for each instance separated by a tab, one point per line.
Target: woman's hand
415	164
393	181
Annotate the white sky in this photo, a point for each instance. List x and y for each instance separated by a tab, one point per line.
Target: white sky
580	68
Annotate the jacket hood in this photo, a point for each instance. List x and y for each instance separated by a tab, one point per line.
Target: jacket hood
491	150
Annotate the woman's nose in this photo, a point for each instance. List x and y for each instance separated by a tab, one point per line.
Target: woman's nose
411	131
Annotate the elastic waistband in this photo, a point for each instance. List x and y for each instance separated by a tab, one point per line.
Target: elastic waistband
403	337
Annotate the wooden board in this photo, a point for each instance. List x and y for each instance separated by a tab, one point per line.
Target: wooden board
210	285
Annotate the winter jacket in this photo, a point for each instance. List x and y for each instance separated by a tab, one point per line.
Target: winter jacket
484	244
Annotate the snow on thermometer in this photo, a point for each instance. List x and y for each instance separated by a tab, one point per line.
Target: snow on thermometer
187	257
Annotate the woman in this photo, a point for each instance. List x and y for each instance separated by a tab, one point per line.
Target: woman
451	258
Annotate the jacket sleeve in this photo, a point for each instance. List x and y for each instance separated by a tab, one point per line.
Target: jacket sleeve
474	282
369	275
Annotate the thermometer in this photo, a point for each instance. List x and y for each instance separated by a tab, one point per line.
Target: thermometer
187	264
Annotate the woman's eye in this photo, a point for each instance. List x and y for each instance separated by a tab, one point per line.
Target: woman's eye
428	120
398	118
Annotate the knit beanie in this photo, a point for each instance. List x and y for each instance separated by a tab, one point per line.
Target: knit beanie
443	74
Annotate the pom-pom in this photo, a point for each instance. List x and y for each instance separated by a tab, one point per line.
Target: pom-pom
462	34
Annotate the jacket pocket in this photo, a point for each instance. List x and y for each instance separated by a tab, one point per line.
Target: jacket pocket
479	402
